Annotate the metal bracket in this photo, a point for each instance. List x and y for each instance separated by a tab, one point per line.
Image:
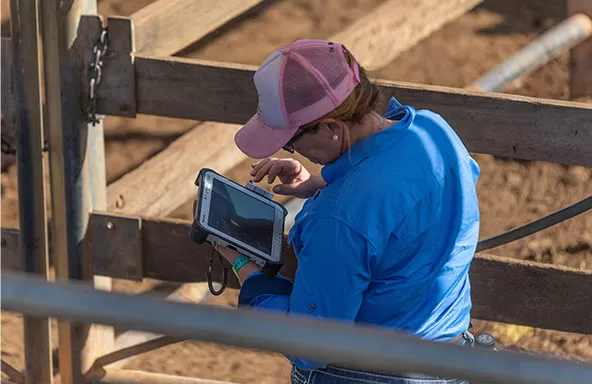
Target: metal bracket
116	245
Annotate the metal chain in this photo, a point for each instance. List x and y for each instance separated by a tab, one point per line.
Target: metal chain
95	71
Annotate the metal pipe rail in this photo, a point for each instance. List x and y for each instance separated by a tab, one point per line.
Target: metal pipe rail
550	44
354	346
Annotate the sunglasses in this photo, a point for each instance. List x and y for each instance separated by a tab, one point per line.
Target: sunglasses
289	147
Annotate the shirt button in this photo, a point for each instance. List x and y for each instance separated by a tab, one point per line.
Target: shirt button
312	307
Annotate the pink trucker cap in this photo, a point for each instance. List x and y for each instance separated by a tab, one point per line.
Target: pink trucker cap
296	85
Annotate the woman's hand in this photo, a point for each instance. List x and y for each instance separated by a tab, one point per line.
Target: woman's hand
231	255
296	180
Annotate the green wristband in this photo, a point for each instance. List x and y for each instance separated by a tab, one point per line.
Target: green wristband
240	262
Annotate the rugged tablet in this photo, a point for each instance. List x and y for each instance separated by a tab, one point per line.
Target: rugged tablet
242	218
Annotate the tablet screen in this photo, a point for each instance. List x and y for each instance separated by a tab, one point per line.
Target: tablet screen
241	216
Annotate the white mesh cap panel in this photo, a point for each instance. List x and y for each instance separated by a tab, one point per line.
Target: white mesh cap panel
267	82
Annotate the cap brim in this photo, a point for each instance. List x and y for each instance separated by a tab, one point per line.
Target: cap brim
259	141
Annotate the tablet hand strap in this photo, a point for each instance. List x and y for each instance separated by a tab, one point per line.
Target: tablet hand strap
224	276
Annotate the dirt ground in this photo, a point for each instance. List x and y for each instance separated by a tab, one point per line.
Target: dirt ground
511	193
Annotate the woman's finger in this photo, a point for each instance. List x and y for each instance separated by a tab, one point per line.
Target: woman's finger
257	166
226	252
262	171
291	189
276	169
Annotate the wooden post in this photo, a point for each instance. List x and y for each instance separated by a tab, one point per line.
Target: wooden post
71	162
31	186
7	115
100	338
580	61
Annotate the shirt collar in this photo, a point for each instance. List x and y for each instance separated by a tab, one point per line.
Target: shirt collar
372	144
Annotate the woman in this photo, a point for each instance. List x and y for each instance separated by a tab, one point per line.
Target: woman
390	226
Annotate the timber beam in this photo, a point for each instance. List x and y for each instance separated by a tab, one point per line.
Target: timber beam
503	289
498	124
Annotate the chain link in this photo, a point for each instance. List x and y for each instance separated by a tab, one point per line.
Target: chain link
95	72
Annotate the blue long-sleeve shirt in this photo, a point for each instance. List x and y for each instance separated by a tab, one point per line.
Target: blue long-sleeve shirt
390	239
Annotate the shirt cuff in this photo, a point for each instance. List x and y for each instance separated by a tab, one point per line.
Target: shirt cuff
257	284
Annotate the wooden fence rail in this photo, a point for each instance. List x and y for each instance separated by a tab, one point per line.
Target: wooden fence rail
501	125
498	124
503	289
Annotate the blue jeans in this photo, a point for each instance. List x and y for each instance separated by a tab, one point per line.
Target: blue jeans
337	375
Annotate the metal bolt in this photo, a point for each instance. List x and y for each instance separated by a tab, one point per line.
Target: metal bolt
109	225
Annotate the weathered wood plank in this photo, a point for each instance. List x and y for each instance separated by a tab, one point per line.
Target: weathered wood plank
508	125
502	125
503	289
507	290
195	89
165	27
27	91
580	63
68	46
11	250
7	105
13	373
8	122
126	353
116	95
397	25
165	181
529	293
